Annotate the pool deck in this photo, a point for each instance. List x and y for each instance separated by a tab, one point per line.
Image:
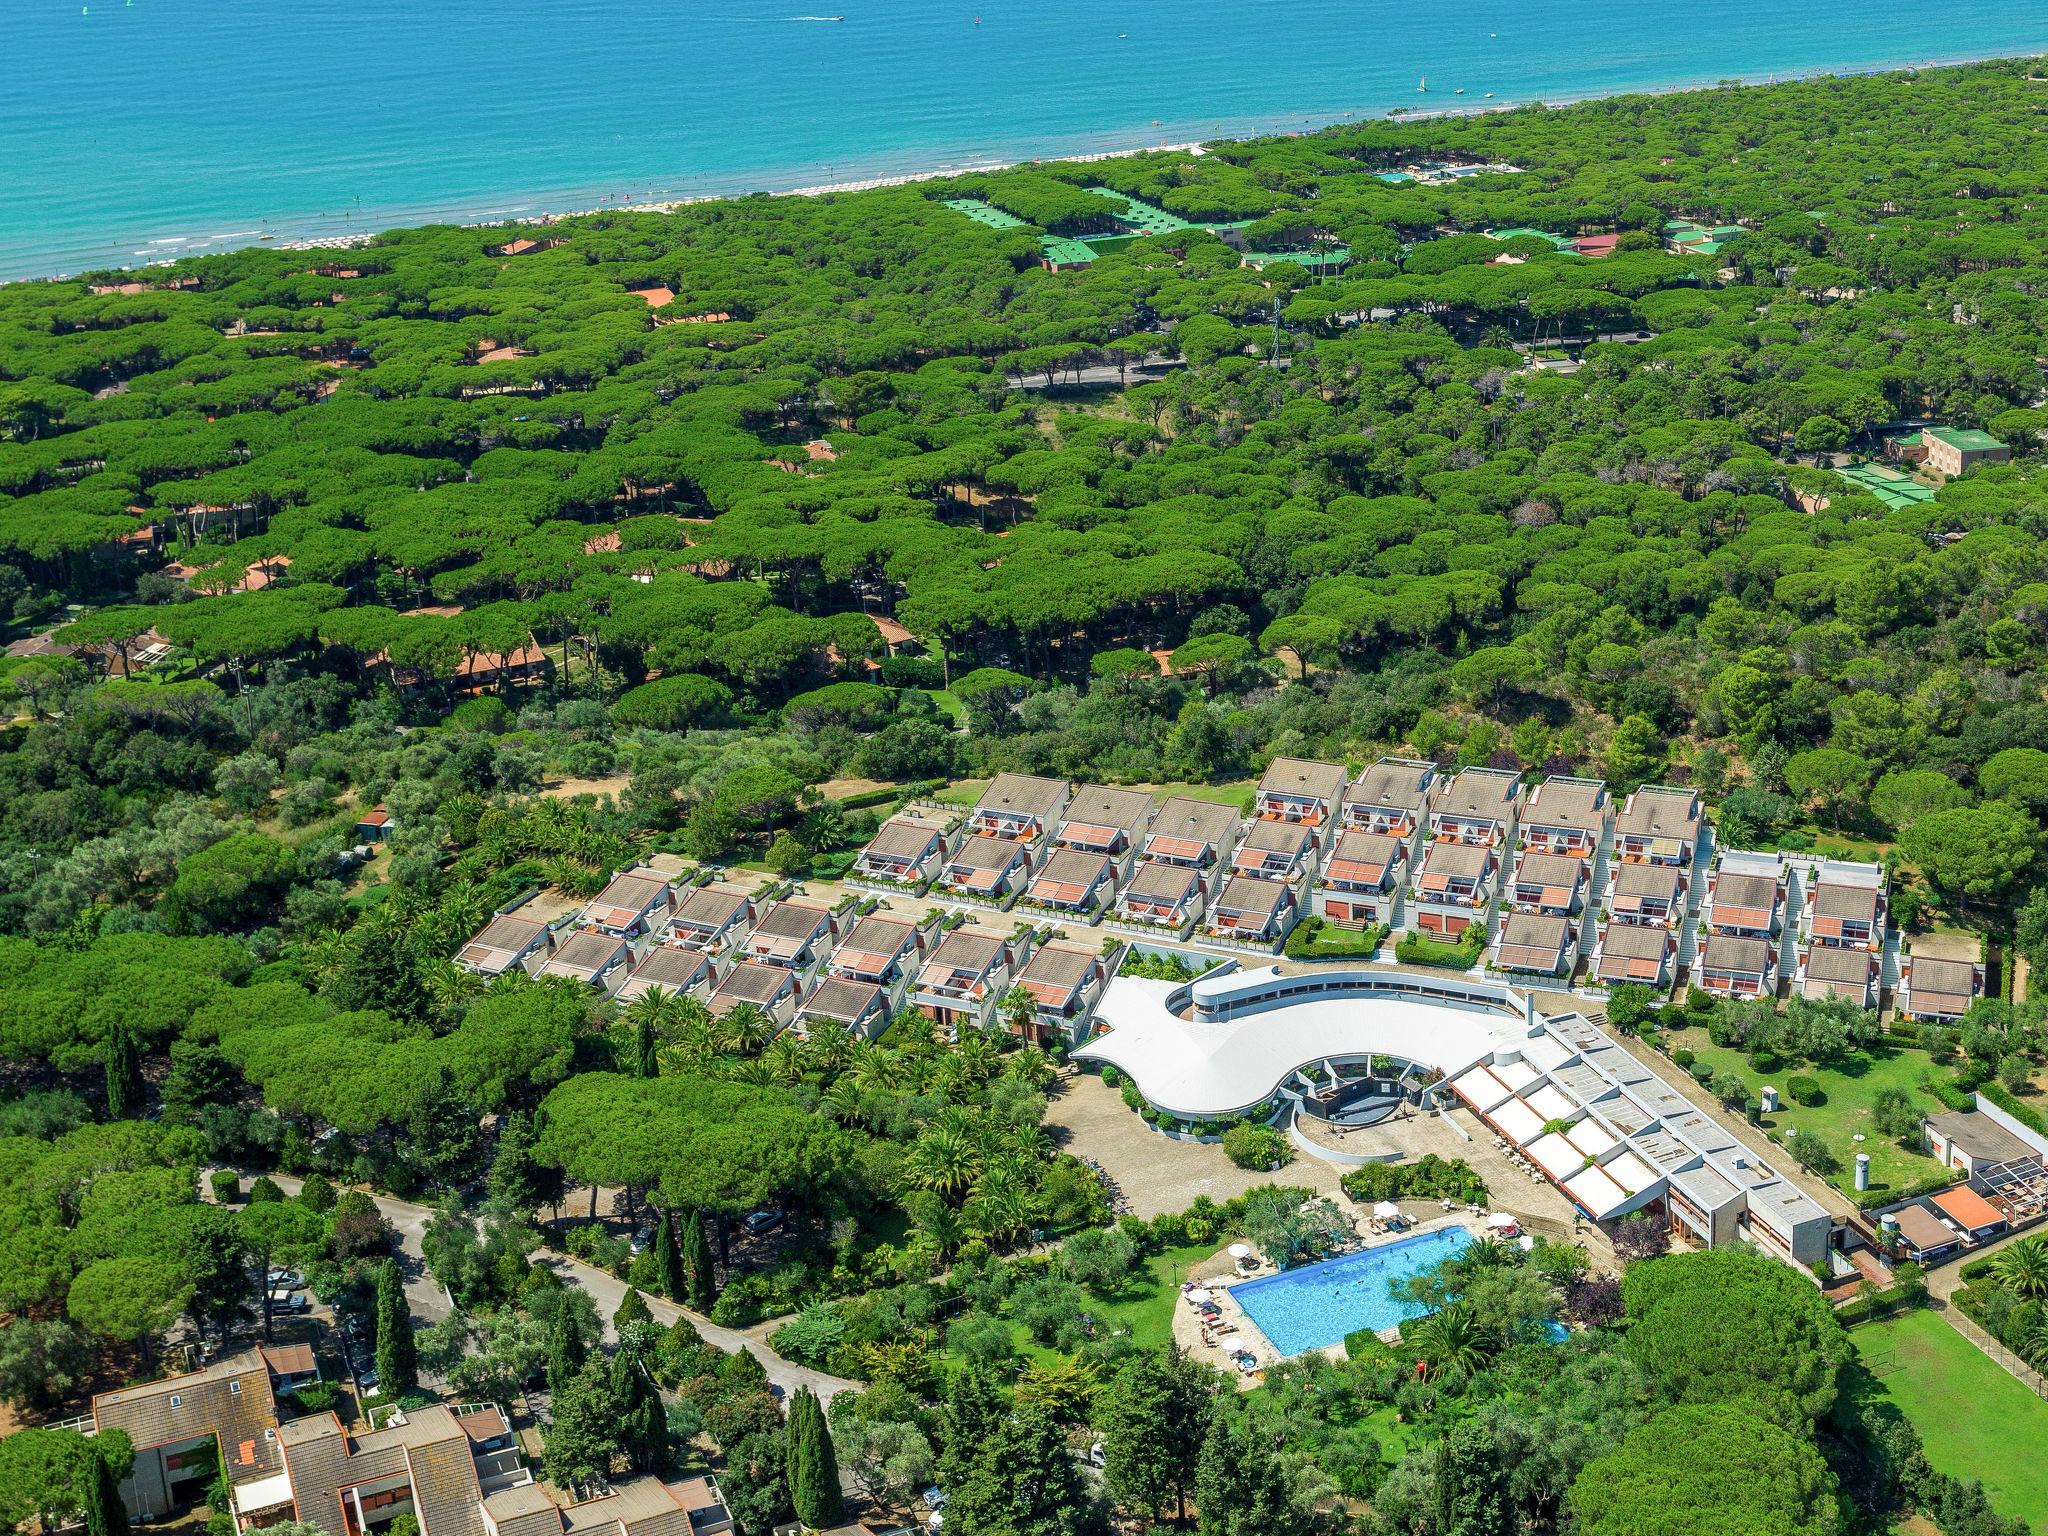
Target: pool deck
1219	1273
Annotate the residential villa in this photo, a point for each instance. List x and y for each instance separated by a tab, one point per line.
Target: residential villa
1845	907
795	934
1536	944
1275	850
1733	966
635	903
1936	989
1452	888
880	949
1019	808
1476	808
1196	834
991	868
1064	981
710	918
771	988
960	985
678	972
1830	971
904	851
593	958
1107	821
1392	798
1550	883
1074	882
1658	825
1362	882
1567	816
1630	952
1298	790
1950	451
1255	911
507	942
861	1008
1161	895
1647	895
1745	895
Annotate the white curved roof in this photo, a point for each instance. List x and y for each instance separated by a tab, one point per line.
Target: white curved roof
1202	1070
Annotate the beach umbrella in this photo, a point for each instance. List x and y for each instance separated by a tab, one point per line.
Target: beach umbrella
1500	1221
1198	1295
1240	1250
1386	1210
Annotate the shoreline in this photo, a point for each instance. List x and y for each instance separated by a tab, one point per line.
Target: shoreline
1264	127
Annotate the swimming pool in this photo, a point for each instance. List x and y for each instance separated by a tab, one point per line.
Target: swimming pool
1307	1308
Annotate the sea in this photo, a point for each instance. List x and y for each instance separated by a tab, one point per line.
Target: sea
136	131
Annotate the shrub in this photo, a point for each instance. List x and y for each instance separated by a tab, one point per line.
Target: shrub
1683	1057
1804	1091
2026	1114
1256	1146
1763	1063
227	1185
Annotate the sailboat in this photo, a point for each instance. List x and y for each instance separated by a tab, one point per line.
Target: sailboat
1422	84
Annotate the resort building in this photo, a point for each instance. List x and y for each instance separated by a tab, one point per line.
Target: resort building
1064	980
1599	1123
507	942
710	918
1826	971
861	1008
1477	808
593	958
1844	906
1073	882
1162	895
991	868
1551	883
1651	895
880	949
1392	798
635	903
1537	945
1362	882
1567	816
1628	952
1731	966
676	971
1251	911
1107	821
1453	888
903	851
794	934
1275	850
1019	808
1937	989
959	986
1658	825
1950	451
1298	790
1195	834
1745	895
771	988
1972	1142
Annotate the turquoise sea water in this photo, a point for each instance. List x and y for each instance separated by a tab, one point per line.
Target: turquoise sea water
1318	1304
134	130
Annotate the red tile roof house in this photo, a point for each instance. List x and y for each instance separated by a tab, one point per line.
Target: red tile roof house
963	980
636	902
1550	883
1628	952
675	970
903	852
1476	807
881	949
1064	980
1932	988
710	918
1296	789
1745	896
1189	832
1533	944
1362	882
1073	882
1659	825
1275	850
1253	911
595	959
374	826
1106	821
1019	808
1393	797
989	869
1845	906
795	934
770	988
1733	966
1164	896
1649	895
1452	888
505	943
1567	815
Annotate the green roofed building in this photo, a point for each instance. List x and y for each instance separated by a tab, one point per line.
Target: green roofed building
1561	242
1951	451
985	213
1062	254
1331	260
1888	485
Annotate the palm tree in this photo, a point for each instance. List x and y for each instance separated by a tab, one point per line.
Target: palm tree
943	1161
450	987
745	1029
1000	1207
2023	1268
1453	1342
1064	1387
841	1102
785	1059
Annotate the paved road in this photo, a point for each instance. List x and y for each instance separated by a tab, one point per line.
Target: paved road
429	1302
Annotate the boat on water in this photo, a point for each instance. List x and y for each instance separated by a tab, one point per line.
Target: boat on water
1459	91
1422	84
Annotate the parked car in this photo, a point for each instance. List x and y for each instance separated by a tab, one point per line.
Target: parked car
766	1219
289	1279
290	1303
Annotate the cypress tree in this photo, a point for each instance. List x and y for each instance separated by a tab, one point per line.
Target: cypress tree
813	1466
633	1309
398	1366
643	1422
123	1065
104	1513
646	1046
668	1253
703	1275
565	1351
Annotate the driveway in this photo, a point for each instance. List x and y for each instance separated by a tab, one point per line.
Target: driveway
429	1302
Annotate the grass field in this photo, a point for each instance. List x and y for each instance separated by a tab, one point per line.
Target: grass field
1845	1111
1975	1419
1144	1306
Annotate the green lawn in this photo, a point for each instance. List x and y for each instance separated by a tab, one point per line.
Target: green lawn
949	705
961	792
1144	1306
1975	1419
1845	1111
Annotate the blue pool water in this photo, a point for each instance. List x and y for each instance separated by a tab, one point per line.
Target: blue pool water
136	130
1318	1304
